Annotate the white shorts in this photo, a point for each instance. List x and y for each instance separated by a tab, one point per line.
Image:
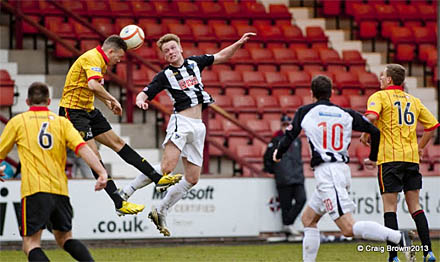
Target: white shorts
331	194
188	134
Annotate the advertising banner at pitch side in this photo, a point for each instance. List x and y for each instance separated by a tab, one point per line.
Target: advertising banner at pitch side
215	207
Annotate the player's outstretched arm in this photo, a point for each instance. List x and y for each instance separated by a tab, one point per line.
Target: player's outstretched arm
427	135
141	99
227	52
92	160
100	92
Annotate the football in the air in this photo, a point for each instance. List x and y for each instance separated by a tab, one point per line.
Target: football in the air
133	35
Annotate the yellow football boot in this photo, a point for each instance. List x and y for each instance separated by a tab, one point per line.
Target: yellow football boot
129	209
166	181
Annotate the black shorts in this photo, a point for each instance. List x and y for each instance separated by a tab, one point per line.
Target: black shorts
397	176
88	124
44	209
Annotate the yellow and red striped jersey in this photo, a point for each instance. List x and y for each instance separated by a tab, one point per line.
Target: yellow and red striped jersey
41	137
90	65
398	113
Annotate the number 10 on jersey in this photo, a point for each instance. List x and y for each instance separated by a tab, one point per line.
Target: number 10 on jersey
337	134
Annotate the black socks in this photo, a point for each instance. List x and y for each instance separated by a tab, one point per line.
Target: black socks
130	156
422	229
77	250
37	254
390	219
111	189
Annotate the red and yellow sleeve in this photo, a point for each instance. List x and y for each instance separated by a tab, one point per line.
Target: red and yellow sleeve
374	105
7	139
93	69
426	118
73	138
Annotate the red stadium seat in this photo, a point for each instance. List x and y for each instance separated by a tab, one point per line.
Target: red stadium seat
188	9
308	56
98	8
289	104
284	56
142	76
241	56
368	80
120	9
267	104
104	25
254	10
330	57
386	28
255	83
232	82
183	30
165	9
152	30
262	56
270	33
347	80
341	101
299	79
214	151
62	52
294	36
212	9
142	9
259	126
243	28
149	53
359	103
231	130
278	82
280	13
122	22
353	58
315	34
232	10
244	103
86	45
211	82
215	127
63	29
202	33
224	102
27	28
225	32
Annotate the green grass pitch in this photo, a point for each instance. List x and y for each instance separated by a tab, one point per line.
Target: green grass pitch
264	252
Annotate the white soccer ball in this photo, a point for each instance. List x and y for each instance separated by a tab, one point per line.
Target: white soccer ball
133	35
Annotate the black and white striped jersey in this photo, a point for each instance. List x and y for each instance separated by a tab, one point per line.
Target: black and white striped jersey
328	129
183	84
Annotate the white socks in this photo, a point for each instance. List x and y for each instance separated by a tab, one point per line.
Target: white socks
311	242
374	231
174	194
139	182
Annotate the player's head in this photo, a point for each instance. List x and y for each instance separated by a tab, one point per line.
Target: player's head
171	49
38	94
321	87
285	122
393	74
114	47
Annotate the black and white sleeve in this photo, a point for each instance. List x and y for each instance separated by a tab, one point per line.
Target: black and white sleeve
157	84
203	60
362	124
